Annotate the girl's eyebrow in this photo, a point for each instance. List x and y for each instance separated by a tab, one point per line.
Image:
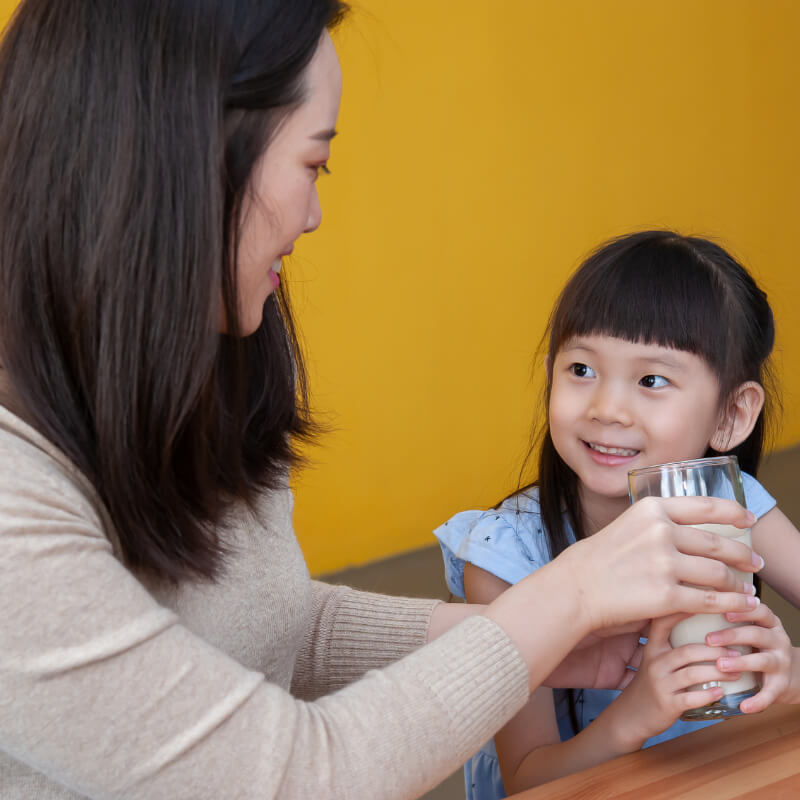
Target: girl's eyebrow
577	344
664	360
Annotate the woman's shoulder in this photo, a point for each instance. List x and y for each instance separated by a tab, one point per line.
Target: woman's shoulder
509	540
37	480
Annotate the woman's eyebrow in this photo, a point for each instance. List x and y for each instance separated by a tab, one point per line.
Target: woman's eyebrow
325	136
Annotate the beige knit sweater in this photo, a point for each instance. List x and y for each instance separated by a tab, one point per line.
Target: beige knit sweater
265	684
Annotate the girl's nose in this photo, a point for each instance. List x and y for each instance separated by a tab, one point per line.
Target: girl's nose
609	406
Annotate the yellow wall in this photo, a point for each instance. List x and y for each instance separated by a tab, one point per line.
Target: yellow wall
484	149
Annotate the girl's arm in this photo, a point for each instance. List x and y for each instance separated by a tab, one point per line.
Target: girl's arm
529	747
648	706
777	541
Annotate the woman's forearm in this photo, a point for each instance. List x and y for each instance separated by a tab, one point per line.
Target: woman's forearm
543	616
543	631
448	615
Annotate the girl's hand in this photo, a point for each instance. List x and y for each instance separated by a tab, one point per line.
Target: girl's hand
776	658
639	566
657	695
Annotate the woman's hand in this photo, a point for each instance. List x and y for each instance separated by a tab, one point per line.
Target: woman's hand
657	695
776	659
598	662
647	563
636	568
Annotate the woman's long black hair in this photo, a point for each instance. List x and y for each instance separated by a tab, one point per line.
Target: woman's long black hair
657	287
128	134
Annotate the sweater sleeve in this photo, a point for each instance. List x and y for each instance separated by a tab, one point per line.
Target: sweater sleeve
351	632
105	692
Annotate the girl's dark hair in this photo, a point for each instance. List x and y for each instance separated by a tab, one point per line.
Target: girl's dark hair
658	287
128	135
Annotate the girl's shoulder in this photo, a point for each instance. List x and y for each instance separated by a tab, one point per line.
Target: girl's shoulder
757	498
509	541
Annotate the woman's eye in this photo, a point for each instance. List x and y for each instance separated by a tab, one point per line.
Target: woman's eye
321	169
581	370
654	381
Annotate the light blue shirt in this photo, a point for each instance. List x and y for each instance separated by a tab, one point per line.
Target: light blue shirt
511	543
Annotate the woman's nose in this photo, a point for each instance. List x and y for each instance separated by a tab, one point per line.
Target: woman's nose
314	213
609	406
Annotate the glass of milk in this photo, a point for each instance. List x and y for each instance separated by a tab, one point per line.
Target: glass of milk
712	477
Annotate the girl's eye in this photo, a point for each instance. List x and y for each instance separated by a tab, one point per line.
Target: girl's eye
654	381
321	169
581	370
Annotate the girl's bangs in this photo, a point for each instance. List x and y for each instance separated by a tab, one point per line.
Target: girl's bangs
662	296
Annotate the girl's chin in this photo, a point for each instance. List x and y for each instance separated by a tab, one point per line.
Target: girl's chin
608	490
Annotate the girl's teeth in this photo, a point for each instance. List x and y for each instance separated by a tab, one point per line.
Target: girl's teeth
613	451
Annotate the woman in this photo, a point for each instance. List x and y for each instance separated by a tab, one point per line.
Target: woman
161	637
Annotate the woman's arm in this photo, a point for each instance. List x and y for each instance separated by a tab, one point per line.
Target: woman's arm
106	694
342	619
535	725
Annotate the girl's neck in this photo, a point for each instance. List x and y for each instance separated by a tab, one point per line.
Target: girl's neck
598	510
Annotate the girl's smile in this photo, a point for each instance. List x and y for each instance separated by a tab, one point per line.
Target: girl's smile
610	455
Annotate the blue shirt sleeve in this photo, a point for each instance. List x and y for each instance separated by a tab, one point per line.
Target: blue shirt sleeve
508	542
757	498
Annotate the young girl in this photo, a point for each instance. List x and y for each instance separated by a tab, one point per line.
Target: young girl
658	349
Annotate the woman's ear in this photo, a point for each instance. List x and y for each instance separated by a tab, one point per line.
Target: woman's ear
739	416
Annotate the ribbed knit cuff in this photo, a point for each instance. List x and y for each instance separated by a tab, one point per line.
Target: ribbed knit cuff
360	631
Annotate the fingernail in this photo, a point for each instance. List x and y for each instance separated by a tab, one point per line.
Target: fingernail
724	664
752	602
734	653
758	562
713	638
751	589
751	516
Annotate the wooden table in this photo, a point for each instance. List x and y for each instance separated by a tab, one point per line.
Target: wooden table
743	757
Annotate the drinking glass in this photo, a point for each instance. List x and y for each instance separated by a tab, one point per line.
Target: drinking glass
710	477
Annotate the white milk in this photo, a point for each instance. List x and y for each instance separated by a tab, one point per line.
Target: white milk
694	629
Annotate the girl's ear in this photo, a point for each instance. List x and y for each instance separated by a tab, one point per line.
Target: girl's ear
739	416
